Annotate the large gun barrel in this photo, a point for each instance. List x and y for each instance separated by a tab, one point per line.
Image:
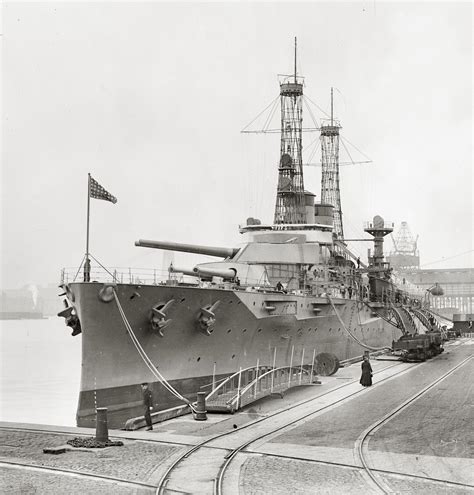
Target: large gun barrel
206	272
220	252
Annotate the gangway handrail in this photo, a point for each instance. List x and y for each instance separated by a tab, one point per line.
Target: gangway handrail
399	319
253	382
422	317
228	379
410	319
242	391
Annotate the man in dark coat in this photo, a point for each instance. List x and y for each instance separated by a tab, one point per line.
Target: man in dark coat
147	404
366	378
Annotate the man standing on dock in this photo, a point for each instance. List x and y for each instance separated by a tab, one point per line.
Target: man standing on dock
148	404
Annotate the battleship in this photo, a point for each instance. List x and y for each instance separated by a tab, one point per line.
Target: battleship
291	290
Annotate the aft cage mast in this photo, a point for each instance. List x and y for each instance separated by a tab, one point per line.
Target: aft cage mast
330	190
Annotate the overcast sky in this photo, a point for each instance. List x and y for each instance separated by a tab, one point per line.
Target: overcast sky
150	99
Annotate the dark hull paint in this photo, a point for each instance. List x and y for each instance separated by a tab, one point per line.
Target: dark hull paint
245	331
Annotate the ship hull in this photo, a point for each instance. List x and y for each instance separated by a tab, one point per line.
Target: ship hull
249	326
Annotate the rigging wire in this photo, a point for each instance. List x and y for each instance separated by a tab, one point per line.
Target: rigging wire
314	119
316	105
262	112
270	115
347	151
355	147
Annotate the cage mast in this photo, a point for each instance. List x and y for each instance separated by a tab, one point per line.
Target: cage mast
290	200
330	191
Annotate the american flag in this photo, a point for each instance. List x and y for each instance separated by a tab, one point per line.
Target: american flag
98	192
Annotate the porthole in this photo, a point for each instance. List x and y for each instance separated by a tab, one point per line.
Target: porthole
244	330
183	299
254	303
230	302
233	356
230	330
198	359
259	330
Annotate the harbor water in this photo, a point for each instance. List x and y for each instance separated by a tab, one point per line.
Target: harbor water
40	371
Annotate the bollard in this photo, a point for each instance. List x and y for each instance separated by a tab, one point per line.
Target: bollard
201	413
101	429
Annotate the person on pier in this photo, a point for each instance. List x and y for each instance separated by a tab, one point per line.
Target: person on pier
148	405
366	378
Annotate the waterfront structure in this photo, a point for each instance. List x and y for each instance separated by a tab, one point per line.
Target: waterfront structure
457	284
405	255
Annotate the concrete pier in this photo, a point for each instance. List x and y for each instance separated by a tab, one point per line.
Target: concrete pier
426	448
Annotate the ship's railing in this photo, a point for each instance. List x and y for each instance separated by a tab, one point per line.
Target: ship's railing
124	275
382	225
151	276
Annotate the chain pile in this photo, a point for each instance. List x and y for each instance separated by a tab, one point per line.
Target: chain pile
92	443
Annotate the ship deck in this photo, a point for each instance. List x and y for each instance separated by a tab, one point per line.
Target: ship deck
424	447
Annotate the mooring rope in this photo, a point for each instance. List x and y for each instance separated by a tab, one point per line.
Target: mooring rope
353	337
145	357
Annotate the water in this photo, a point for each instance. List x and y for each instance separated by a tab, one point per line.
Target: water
40	371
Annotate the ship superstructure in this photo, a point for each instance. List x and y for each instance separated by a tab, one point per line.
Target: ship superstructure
291	290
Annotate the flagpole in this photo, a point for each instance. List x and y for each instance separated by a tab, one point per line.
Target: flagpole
87	263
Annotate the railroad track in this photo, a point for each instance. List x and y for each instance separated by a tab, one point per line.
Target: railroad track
362	443
217	458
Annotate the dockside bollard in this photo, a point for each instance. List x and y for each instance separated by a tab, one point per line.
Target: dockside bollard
101	428
201	413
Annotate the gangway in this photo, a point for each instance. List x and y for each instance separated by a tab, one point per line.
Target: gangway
423	318
251	384
404	320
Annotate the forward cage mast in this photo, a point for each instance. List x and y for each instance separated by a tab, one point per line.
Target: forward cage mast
290	201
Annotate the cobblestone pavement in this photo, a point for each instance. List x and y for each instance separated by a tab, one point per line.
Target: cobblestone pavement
135	461
273	475
17	482
276	476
